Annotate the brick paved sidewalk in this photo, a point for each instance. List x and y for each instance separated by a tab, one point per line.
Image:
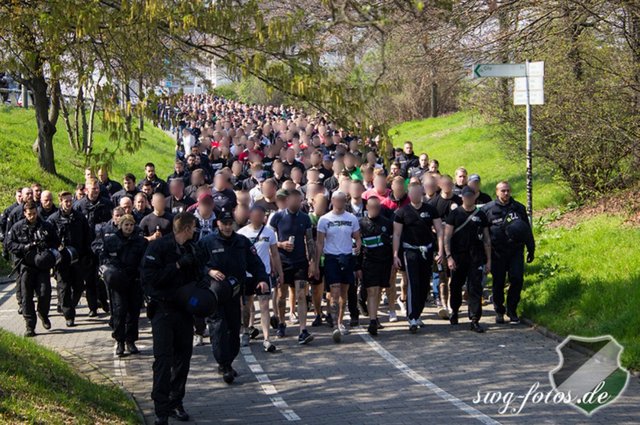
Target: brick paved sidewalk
396	378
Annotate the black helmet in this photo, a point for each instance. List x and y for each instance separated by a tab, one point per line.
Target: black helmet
225	289
47	259
518	231
113	277
69	255
197	300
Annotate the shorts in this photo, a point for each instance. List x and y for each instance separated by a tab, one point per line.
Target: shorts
293	272
251	287
313	281
339	269
376	274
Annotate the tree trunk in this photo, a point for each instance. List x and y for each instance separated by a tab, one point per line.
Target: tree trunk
67	124
140	109
76	125
85	126
92	115
434	99
46	129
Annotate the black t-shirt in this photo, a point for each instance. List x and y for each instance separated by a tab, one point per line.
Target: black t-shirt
270	207
416	224
152	222
466	241
443	206
224	199
483	199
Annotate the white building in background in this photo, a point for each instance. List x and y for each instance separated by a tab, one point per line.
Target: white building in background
197	78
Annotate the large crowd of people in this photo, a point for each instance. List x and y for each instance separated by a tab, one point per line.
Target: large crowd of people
297	222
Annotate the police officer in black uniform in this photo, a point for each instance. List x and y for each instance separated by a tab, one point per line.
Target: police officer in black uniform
120	260
467	245
96	210
510	233
168	264
230	255
31	241
74	232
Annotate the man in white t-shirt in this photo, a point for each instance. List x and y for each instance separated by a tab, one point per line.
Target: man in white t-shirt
265	243
336	232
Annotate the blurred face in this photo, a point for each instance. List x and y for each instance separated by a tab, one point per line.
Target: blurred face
31	215
380	184
158	203
290	155
150	172
66	204
257	216
320	204
355	190
127	205
46	199
268	189
339	203
176	188
503	192
205	208
127	228
373	207
430	187
415	194
475	185
243	198
461	177
293	202
446	185
398	188
93	191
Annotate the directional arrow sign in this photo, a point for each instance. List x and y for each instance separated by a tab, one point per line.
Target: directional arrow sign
499	70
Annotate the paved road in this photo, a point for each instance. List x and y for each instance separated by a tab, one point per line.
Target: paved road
396	378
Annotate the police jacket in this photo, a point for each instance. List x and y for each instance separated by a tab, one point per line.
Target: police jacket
233	256
96	212
407	162
4	221
73	230
122	193
376	236
125	253
501	216
159	274
45	214
104	230
24	237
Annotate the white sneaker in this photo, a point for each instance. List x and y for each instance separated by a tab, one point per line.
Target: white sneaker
206	332
343	329
413	326
244	340
268	346
385	300
443	313
393	317
198	341
337	336
420	323
294	319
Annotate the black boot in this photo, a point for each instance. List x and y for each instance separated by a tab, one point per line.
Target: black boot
131	348
180	414
120	349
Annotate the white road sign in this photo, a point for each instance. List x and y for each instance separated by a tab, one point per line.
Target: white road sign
536	97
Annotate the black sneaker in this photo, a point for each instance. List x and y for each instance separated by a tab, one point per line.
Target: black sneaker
29	333
253	332
363	307
379	324
20	311
281	330
229	375
132	349
354	323
161	420
476	327
93	313
373	328
500	319
317	321
180	414
514	320
274	322
59	309
453	319
120	349
46	323
70	323
305	337
329	321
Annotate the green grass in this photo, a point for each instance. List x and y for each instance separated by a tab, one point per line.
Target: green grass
585	282
38	387
19	165
464	139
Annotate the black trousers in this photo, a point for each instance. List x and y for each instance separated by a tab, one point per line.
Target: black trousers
96	291
471	272
70	283
418	270
34	282
356	293
125	312
200	325
509	262
225	332
172	348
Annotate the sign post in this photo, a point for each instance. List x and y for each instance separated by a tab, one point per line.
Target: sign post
528	90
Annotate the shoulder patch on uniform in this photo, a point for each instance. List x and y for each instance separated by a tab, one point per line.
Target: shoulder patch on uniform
150	257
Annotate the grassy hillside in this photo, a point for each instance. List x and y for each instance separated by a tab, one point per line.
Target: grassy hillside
464	139
20	166
37	387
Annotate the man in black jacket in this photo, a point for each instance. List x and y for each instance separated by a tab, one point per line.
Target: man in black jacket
229	254
168	264
157	184
510	232
30	241
73	230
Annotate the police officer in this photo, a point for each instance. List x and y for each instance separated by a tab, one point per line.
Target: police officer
31	241
96	210
168	264
413	240
230	255
510	233
120	259
467	245
376	257
73	230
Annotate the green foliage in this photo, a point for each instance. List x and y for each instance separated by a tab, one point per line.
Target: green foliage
468	140
585	281
228	91
37	386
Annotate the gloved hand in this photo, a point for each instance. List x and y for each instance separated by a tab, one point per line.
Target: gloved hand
530	257
187	260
